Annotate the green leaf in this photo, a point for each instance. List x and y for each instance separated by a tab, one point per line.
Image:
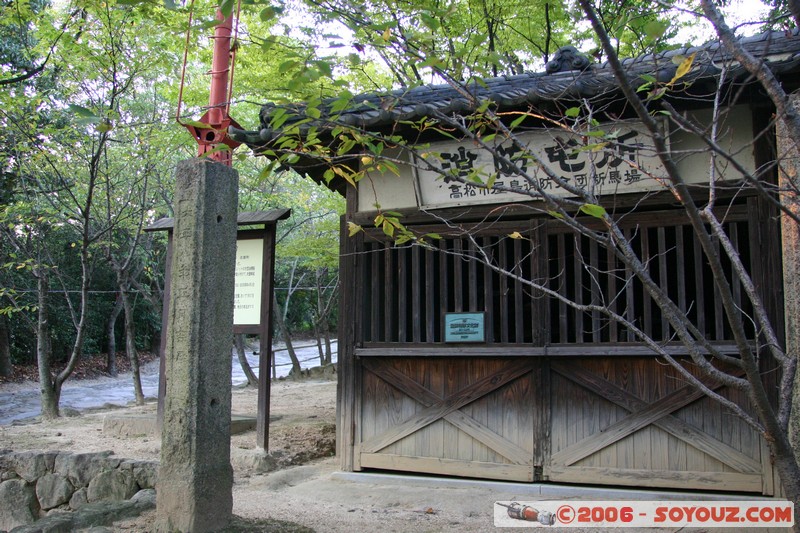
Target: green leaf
208	24
286	66
429	21
573	112
313	112
353	228
655	29
433	61
278	118
105	126
657	94
354	59
216	149
226	7
517	121
594	147
594	210
474	177
324	68
83	113
197	124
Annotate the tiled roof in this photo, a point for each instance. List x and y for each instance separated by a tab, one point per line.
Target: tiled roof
781	50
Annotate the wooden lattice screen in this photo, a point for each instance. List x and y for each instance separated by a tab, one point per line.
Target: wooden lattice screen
406	290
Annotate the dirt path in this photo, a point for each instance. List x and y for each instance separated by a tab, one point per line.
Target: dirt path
306	487
302	420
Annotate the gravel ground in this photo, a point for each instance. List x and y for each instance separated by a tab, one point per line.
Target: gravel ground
307	492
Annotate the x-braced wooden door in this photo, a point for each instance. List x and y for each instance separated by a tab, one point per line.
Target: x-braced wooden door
459	416
635	421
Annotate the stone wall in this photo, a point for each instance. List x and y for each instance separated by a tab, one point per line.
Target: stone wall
37	484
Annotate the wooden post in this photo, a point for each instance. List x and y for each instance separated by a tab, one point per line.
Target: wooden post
162	360
265	357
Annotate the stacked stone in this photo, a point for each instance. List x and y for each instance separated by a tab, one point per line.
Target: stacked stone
36	484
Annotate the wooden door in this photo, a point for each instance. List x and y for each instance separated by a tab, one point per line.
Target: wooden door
635	421
469	417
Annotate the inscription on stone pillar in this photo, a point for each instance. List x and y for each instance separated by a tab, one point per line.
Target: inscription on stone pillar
194	491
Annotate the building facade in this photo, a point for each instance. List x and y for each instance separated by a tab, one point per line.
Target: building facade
491	349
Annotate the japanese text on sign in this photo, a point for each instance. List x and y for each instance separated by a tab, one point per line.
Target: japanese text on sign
626	162
247	295
464	327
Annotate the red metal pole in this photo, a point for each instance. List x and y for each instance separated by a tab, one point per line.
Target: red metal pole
220	71
215	122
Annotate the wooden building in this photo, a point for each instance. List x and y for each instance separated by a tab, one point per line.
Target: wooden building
542	391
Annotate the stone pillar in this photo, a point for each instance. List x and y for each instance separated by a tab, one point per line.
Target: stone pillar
195	483
788	180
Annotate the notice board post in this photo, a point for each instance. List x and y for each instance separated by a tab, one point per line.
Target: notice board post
252	309
255	273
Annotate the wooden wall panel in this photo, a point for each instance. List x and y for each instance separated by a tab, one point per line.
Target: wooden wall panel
455	411
649	421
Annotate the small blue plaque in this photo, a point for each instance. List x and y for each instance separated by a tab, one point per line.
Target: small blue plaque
464	327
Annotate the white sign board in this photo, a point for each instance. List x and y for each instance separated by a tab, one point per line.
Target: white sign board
625	162
249	269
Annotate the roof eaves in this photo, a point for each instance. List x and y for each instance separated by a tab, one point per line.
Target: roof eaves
781	50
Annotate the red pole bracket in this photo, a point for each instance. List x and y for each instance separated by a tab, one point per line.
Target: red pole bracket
211	130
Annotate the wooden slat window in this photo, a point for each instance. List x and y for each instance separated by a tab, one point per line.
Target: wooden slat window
675	262
406	290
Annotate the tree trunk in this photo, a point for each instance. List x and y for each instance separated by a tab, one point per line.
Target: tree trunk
287	338
318	337
319	315
322	314
6	370
790	237
787	468
49	388
291	288
111	350
83	317
130	347
238	340
328	347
